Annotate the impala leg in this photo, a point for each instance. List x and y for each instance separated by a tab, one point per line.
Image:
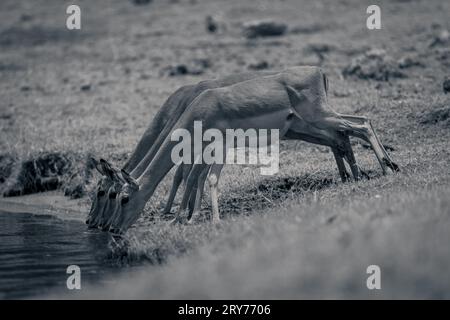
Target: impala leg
340	164
329	120
345	150
372	138
192	199
213	180
189	185
391	164
316	137
177	179
198	195
362	131
350	157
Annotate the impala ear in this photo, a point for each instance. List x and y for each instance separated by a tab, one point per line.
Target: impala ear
129	179
298	101
106	168
295	97
98	166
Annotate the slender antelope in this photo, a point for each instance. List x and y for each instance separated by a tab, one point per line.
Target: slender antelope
113	179
275	101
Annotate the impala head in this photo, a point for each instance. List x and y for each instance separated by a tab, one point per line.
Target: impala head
127	205
111	204
110	177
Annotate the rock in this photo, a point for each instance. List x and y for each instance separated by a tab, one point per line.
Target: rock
442	39
263	28
177	70
85	87
195	67
141	2
408	62
443	55
211	24
446	85
260	65
319	49
440	115
26	17
375	64
308	29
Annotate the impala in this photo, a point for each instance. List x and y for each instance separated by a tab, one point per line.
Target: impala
274	101
113	179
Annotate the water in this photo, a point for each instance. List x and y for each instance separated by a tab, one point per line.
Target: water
35	251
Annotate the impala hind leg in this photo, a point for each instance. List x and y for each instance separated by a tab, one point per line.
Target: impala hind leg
213	180
333	140
372	138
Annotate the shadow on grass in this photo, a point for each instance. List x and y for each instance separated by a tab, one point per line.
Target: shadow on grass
272	191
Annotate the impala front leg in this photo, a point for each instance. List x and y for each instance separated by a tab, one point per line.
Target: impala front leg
195	210
348	153
177	179
213	180
340	164
190	182
319	138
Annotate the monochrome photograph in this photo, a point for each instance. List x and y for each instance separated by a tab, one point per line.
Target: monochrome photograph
224	150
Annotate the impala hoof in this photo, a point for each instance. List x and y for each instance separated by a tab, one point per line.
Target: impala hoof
391	166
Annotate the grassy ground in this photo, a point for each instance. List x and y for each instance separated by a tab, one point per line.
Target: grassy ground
301	233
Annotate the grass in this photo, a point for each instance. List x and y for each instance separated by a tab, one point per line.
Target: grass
300	250
299	234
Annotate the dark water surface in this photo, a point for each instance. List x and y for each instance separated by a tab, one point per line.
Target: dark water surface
35	251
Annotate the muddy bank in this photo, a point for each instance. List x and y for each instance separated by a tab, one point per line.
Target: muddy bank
71	173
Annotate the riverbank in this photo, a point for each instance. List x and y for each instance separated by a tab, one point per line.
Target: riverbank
48	203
